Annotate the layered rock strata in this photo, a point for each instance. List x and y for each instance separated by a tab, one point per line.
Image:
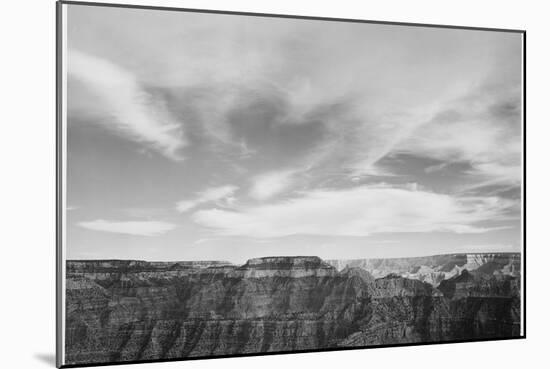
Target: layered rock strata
135	310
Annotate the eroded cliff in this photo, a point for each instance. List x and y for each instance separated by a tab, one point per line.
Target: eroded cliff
434	269
122	310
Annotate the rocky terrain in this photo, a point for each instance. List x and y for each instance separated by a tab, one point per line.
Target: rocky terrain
121	310
434	269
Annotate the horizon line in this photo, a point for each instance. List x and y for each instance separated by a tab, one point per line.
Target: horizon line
297	256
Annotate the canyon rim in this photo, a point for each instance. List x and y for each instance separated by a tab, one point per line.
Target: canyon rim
128	310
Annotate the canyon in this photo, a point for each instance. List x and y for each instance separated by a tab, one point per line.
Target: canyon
126	310
434	269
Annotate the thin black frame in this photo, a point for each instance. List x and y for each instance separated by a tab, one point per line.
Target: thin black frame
59	174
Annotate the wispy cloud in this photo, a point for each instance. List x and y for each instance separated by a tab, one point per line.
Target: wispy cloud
135	113
358	212
436	167
267	185
223	195
301	132
205	240
482	128
143	212
136	228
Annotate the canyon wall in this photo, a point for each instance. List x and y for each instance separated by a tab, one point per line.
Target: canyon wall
135	310
434	269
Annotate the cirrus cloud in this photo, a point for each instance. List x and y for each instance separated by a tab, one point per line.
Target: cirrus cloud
136	228
270	184
359	211
221	193
135	113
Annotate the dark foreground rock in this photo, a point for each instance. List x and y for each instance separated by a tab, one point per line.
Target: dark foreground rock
135	310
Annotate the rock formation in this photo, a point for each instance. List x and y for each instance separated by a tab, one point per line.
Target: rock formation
134	310
434	269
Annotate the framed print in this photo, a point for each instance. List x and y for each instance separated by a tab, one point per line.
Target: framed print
236	184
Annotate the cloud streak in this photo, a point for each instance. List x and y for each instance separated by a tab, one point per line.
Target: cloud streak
483	128
135	228
223	195
299	120
267	185
359	211
135	113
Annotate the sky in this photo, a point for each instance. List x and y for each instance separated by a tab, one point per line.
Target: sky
197	136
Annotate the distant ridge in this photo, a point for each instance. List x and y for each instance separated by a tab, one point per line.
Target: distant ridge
436	268
430	269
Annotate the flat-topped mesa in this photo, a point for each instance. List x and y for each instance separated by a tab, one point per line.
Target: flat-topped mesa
200	264
75	266
287	266
138	266
140	272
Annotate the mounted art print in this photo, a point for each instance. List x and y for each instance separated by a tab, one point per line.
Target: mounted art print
235	184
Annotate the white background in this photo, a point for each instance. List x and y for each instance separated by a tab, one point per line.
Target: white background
27	232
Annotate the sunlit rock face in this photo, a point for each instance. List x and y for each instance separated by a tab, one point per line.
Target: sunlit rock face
135	310
434	269
294	267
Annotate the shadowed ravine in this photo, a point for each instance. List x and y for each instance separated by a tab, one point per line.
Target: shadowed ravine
120	310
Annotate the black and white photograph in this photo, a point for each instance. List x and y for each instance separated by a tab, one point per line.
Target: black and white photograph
238	184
